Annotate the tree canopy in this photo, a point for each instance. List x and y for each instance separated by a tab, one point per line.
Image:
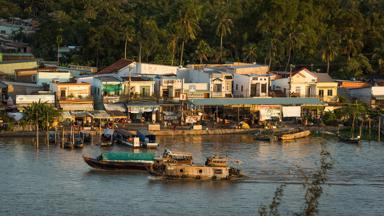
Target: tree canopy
344	37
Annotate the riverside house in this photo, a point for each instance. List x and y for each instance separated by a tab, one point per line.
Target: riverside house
253	85
107	89
372	95
125	68
42	75
138	88
220	83
304	83
73	96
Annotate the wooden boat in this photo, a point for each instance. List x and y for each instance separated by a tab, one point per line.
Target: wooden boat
295	135
147	140
215	168
106	137
350	140
68	145
121	161
86	136
78	142
135	139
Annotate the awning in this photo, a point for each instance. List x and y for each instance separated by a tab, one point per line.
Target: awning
115	107
99	114
66	115
117	114
266	114
142	108
79	114
291	111
76	107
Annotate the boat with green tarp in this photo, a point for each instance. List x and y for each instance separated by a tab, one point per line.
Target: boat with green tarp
121	160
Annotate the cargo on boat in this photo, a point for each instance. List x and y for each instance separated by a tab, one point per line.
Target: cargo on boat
135	139
215	168
106	137
121	161
295	135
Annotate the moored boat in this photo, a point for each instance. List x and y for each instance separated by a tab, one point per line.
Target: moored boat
295	135
106	137
127	138
121	161
147	140
351	140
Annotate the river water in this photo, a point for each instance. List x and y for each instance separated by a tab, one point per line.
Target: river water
53	181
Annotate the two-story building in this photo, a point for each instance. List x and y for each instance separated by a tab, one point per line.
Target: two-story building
107	89
169	87
304	83
251	85
42	75
220	83
196	90
73	96
138	87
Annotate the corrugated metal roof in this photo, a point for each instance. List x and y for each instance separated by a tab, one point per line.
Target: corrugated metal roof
255	101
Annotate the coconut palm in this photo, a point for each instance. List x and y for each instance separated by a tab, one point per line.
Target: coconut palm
329	49
224	26
188	23
250	52
203	51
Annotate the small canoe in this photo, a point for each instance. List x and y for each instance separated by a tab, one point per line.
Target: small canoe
295	135
350	140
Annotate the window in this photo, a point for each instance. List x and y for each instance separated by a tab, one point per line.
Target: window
330	92
217	87
263	88
62	93
298	89
237	87
242	88
218	171
321	93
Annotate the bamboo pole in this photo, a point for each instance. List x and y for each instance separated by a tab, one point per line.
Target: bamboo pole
369	129
62	137
353	126
378	130
361	128
46	128
37	129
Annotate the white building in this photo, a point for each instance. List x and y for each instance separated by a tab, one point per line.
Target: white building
125	68
48	77
168	87
220	83
139	87
373	96
196	90
251	85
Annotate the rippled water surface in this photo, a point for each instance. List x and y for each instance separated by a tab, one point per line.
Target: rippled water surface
54	181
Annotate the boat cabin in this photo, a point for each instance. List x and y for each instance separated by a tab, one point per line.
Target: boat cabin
126	137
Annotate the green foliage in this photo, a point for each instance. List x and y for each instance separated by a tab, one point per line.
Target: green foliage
42	113
330	118
345	38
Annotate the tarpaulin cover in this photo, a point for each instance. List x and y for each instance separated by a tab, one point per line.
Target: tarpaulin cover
112	88
267	113
291	111
113	156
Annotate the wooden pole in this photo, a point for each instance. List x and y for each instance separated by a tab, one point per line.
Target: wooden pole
37	129
62	137
378	130
361	128
369	129
73	135
353	126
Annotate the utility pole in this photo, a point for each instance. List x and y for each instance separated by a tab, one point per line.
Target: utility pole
289	80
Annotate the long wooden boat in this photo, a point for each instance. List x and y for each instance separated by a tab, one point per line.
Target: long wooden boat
215	168
295	135
121	161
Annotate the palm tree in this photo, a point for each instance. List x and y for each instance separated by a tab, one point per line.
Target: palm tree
188	23
223	27
203	51
250	52
329	49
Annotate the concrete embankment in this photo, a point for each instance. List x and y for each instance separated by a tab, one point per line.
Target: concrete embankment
202	132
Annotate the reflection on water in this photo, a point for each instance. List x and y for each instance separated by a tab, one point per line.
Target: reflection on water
53	181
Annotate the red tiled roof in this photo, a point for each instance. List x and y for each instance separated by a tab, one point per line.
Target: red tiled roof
115	66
